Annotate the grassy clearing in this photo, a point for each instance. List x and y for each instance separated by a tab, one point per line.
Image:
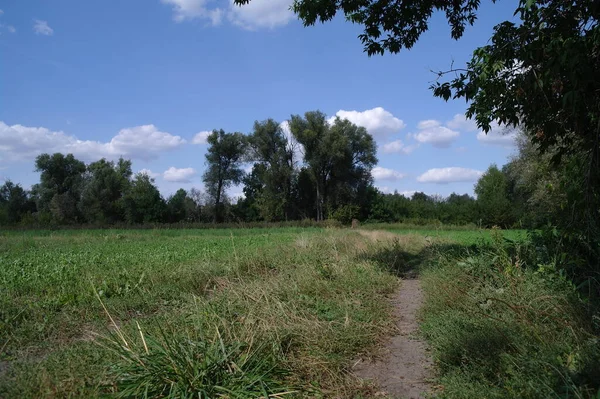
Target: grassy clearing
502	326
464	235
231	313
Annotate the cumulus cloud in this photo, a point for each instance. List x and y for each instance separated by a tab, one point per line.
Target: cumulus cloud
397	147
18	142
255	15
460	122
498	136
378	122
449	175
148	173
42	28
201	138
432	132
261	14
191	9
380	173
182	175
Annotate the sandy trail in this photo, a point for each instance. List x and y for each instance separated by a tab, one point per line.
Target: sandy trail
405	369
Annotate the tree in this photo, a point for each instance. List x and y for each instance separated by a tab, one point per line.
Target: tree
339	156
143	202
105	186
14	203
274	167
492	199
61	182
223	158
178	206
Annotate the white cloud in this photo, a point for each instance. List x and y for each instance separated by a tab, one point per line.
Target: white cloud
148	173
398	147
201	138
18	142
182	175
1	12
378	122
460	122
191	9
503	137
42	28
380	173
261	14
255	15
449	175
432	132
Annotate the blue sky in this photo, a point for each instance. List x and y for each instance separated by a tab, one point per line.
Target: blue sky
144	78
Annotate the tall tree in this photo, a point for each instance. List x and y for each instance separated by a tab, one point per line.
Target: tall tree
178	206
223	158
61	182
143	202
492	198
14	203
339	156
102	196
271	150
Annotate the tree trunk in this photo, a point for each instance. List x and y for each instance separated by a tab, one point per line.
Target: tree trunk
218	201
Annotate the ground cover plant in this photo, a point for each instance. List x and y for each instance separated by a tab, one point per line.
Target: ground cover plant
503	325
164	313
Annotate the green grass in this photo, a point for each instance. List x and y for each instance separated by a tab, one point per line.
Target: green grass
502	326
243	313
173	313
464	235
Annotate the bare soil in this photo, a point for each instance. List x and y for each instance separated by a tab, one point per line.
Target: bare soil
405	368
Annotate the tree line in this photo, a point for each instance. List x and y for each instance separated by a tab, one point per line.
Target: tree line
319	170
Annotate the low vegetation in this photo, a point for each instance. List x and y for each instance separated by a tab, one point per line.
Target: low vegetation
163	313
502	325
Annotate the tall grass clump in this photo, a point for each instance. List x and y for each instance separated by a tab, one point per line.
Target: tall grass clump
502	326
202	367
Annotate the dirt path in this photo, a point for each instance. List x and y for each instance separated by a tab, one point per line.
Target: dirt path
405	368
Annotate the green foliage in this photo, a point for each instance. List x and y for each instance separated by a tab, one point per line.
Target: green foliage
346	213
339	157
15	203
274	171
388	26
59	190
143	203
223	160
492	198
104	189
502	326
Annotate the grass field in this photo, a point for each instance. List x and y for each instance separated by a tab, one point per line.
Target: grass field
242	313
289	307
